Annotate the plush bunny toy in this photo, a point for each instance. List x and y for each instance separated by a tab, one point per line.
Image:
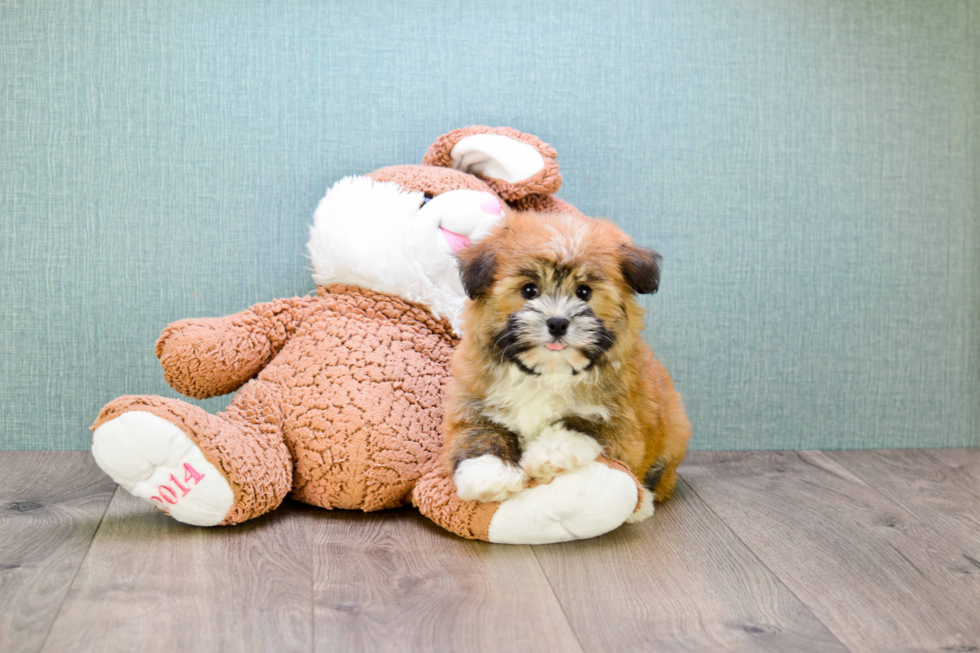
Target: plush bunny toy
339	400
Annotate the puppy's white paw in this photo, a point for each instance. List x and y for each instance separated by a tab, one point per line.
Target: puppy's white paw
558	450
646	509
487	479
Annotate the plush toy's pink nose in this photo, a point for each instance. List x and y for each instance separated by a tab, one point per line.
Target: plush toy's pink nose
491	205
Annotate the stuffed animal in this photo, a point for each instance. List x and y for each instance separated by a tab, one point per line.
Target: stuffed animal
339	394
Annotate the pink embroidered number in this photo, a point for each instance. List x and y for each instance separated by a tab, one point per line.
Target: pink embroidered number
166	495
164	491
191	473
179	486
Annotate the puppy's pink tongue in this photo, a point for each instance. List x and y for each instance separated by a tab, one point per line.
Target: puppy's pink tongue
456	241
555	346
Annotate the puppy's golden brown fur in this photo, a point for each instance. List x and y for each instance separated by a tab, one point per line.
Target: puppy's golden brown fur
552	370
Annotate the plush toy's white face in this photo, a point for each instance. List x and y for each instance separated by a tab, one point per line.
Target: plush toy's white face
377	235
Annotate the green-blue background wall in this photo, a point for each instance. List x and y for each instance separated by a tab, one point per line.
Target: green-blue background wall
810	170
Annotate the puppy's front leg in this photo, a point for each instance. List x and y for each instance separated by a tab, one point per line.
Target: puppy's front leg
485	462
558	448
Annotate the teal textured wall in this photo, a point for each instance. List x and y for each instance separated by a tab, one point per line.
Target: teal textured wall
810	170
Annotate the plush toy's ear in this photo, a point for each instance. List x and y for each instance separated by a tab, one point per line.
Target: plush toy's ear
641	268
514	164
477	264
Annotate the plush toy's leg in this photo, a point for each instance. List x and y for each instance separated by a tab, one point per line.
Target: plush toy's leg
202	469
578	505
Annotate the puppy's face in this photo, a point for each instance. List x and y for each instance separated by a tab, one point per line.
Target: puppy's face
553	294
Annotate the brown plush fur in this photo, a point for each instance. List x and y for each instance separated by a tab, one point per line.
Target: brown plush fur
645	424
341	400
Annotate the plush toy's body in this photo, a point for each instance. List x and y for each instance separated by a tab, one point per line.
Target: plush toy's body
339	399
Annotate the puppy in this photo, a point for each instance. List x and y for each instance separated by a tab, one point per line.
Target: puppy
552	370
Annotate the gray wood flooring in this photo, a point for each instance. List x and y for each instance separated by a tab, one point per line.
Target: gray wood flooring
863	551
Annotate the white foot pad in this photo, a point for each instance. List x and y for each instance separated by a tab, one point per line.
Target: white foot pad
154	460
577	505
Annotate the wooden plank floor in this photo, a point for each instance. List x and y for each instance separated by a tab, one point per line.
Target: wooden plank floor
774	551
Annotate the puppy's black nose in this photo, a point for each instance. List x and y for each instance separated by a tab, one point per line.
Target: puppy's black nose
557	326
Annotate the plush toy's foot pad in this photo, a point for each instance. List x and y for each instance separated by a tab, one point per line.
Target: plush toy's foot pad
577	505
584	503
155	460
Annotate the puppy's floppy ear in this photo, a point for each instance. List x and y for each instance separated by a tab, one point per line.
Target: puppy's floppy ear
477	264
641	268
514	164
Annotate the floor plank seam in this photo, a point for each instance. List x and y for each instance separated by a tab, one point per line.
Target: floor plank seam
764	564
64	599
908	511
557	599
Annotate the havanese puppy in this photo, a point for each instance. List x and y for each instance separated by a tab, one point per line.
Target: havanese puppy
552	370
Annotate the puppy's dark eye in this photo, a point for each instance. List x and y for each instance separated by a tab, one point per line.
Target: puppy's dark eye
584	293
529	291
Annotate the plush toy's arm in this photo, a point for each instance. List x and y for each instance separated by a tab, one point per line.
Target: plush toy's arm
209	357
